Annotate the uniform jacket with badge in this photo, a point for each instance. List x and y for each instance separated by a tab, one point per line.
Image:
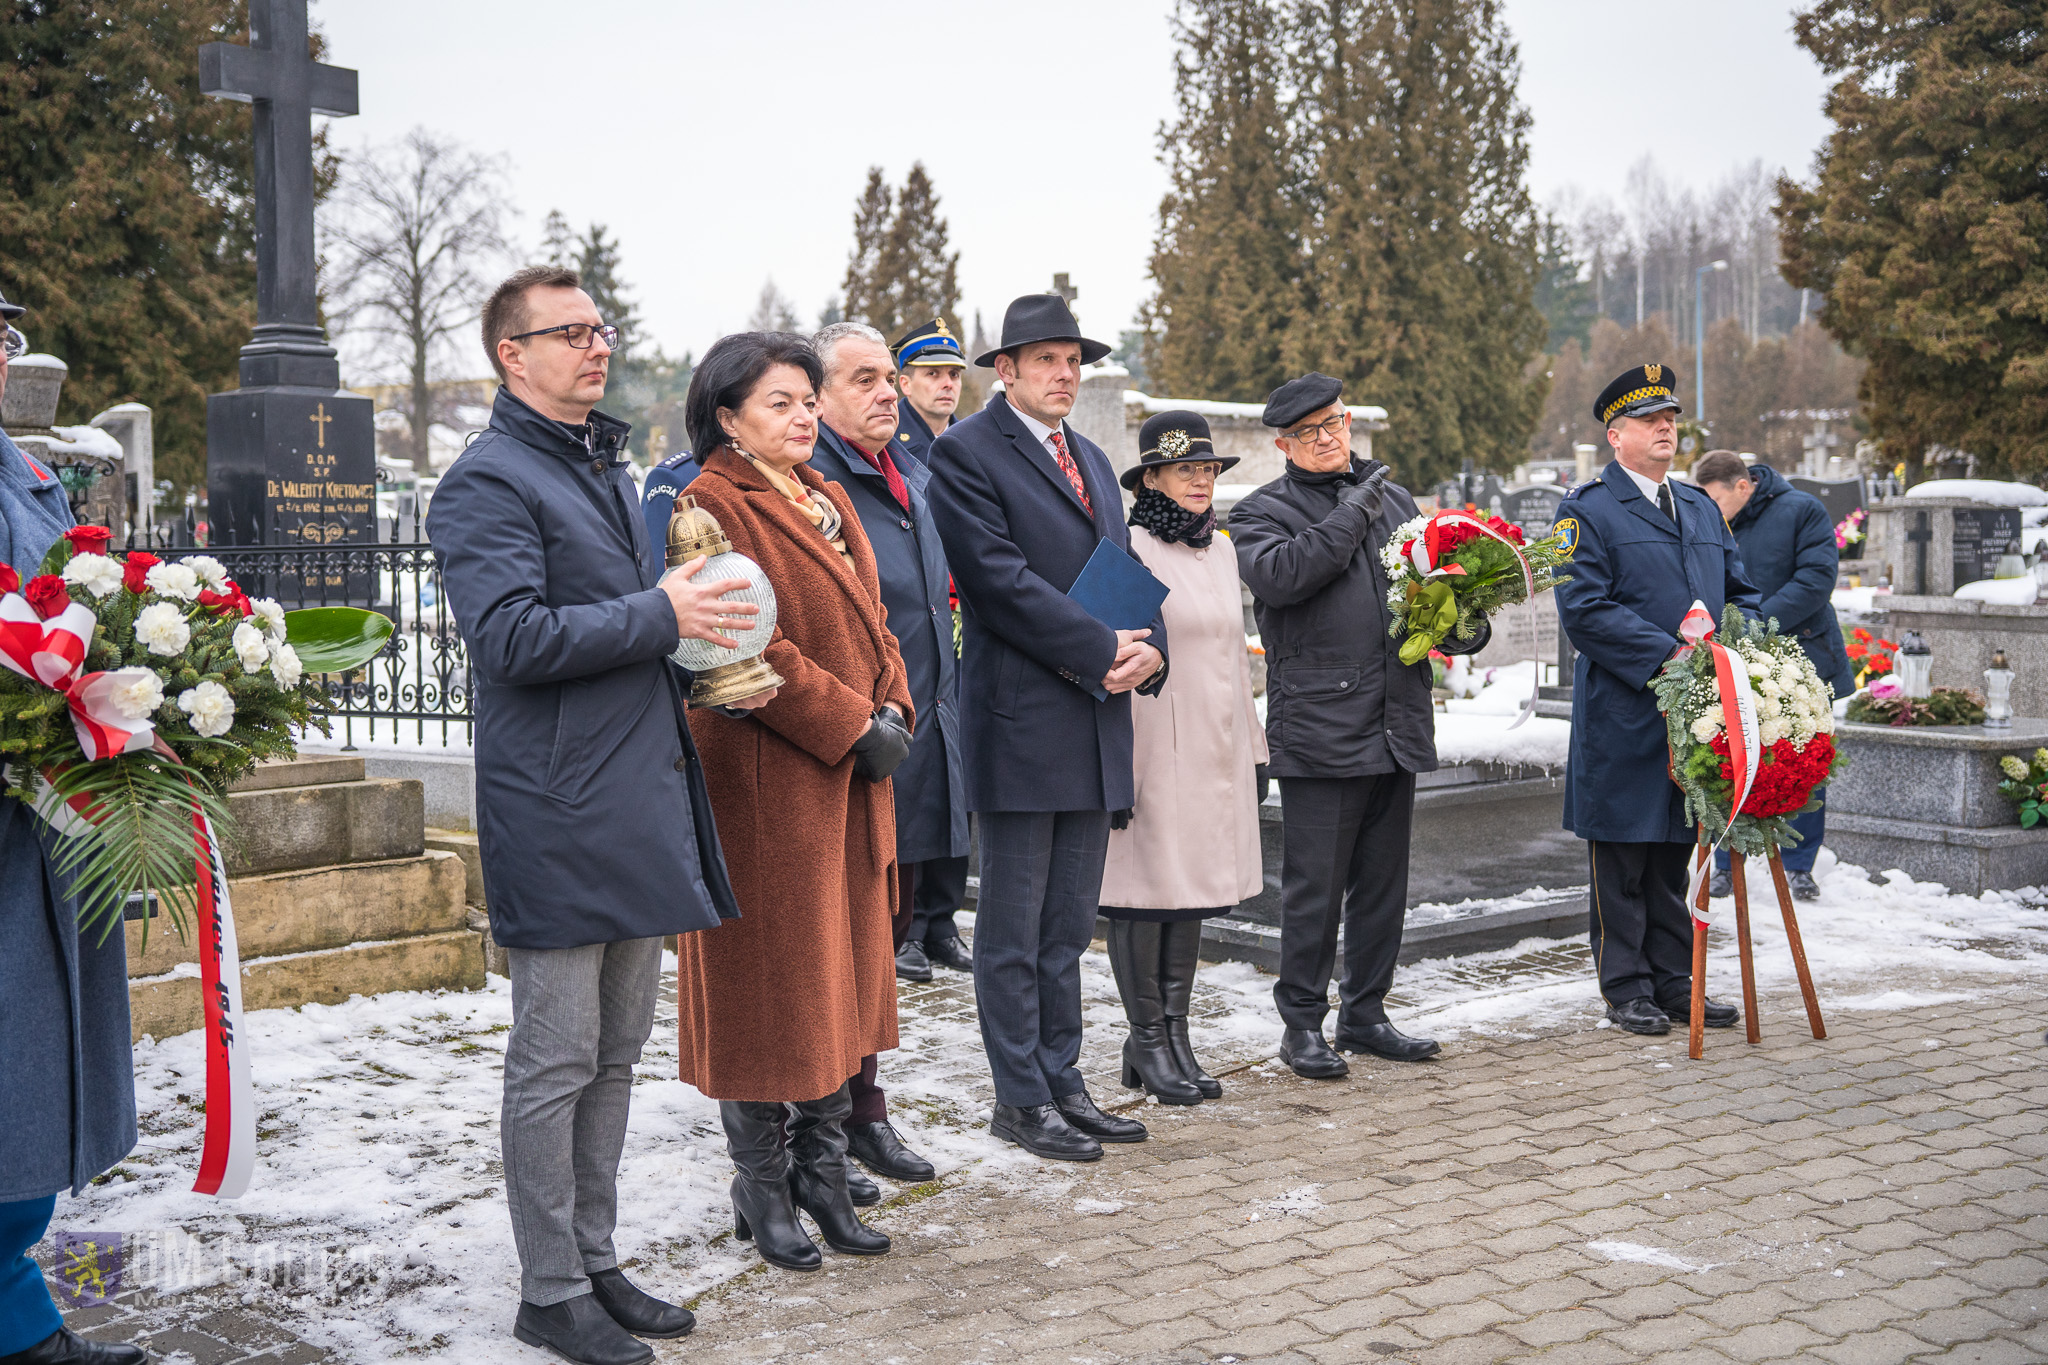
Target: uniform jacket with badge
593	819
1789	551
1339	701
1633	574
66	1068
913	434
931	794
1017	536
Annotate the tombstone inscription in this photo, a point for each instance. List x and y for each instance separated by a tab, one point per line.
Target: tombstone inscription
1981	536
1533	508
290	455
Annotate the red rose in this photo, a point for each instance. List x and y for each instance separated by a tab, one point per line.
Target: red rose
234	602
47	594
89	540
9	579
135	569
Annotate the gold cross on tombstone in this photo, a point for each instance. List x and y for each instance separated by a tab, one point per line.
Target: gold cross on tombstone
320	419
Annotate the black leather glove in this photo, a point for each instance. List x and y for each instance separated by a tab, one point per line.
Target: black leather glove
1365	494
884	745
1120	819
1263	774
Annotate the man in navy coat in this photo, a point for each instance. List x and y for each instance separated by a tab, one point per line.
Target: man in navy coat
929	368
592	814
1789	551
854	450
1644	548
1022	501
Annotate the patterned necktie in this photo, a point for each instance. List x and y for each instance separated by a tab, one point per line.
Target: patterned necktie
1071	470
1664	501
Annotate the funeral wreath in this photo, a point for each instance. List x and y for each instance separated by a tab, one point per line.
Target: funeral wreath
1448	571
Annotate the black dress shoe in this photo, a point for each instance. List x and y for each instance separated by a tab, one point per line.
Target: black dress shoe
1804	888
638	1311
1384	1040
1721	884
579	1329
1304	1050
66	1347
1640	1015
912	964
880	1148
1042	1130
1080	1112
950	951
864	1192
1717	1014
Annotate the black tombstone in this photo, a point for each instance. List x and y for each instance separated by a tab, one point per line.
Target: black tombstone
290	455
1839	496
1982	535
1533	508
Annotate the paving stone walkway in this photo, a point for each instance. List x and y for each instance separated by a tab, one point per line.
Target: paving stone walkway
1587	1197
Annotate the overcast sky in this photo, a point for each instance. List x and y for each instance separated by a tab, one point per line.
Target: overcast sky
725	143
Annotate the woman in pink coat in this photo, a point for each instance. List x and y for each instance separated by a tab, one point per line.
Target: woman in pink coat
1189	847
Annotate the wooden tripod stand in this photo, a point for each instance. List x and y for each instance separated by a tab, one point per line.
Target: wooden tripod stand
1699	955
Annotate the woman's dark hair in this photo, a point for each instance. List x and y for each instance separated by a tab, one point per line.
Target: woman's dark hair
728	373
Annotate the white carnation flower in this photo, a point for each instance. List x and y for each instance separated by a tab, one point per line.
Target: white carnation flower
211	708
1769	687
285	666
137	692
1771	731
97	574
210	570
162	628
173	580
250	647
1769	707
1705	728
1759	668
270	616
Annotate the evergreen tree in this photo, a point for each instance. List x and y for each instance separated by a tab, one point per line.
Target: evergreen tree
865	283
124	208
597	261
1565	300
900	271
773	312
1927	227
1423	257
557	240
1228	254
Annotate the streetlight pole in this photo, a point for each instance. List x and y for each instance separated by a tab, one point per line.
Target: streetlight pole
1699	338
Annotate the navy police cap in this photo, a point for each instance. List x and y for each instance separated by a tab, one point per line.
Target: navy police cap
929	343
1637	393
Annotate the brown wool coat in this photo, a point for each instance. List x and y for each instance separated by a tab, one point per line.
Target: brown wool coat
782	1003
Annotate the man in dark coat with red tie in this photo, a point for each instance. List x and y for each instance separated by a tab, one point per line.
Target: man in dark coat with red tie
1022	501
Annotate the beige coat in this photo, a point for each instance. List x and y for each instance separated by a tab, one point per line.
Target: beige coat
1193	841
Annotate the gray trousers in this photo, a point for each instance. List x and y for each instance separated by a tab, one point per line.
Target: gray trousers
579	1019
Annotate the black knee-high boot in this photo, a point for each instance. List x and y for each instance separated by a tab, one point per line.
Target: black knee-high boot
1180	951
817	1152
1148	1059
761	1207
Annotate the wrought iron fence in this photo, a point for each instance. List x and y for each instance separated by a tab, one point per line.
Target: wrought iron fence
417	691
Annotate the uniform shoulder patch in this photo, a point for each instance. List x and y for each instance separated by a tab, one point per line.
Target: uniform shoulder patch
1567	532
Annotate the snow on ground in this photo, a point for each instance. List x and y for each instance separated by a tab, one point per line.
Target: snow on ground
1475	729
379	1185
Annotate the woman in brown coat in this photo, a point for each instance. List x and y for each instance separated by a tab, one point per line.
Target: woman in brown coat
778	1007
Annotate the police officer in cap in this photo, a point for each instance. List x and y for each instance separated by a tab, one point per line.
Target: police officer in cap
1644	547
929	369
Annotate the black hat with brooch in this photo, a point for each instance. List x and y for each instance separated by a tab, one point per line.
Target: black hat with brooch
1175	437
1639	392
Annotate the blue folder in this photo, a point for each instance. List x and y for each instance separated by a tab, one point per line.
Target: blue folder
1118	591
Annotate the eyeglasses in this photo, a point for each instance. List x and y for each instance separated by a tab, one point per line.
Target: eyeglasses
578	334
1206	469
1309	435
14	344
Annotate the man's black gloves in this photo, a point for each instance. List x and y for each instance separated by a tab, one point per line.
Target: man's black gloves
1365	494
886	744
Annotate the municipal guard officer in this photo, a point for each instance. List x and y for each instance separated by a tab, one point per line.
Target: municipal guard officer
929	369
1644	548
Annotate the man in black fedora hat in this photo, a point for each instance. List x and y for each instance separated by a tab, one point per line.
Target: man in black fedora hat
1022	501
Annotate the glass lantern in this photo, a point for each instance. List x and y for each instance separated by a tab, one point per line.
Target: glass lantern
722	676
2011	564
1998	693
1913	665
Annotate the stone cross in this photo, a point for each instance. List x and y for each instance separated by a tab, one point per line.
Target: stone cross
276	72
1064	288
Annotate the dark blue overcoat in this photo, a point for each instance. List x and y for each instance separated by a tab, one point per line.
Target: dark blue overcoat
1634	575
1789	552
66	1071
1034	736
592	817
665	482
931	793
913	433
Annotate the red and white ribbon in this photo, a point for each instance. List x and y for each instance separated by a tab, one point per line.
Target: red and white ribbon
52	652
1422	553
1738	719
228	1156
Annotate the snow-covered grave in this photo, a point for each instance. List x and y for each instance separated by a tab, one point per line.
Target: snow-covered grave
376	1225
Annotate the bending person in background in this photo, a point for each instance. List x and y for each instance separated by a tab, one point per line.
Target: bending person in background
1788	550
66	1067
779	1009
1189	846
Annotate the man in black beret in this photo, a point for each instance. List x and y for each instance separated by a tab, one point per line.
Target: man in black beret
1348	723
